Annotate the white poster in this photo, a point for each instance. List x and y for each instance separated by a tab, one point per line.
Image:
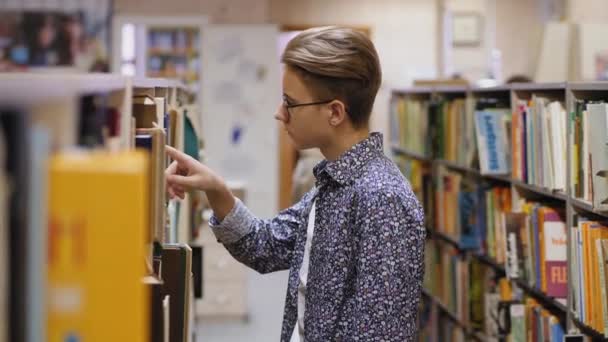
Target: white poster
241	92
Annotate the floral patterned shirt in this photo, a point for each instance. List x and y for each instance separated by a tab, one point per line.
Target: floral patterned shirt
367	253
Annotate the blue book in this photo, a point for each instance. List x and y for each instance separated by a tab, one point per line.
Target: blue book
467	206
557	332
144	141
490	127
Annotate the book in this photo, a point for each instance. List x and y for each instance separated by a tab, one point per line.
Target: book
491	137
574	289
598	151
93	196
153	141
478	273
491	302
515	223
15	126
557	332
468	206
145	112
554	249
177	277
36	242
409	124
602	252
518	322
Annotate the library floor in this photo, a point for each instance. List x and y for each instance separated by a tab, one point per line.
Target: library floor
266	298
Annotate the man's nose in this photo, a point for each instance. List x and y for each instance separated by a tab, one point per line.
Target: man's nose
281	115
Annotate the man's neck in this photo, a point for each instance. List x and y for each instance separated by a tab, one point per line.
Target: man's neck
343	143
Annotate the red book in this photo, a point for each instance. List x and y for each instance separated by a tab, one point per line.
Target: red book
554	253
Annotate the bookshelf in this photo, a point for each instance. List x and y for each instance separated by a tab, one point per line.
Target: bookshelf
552	187
555	306
410	154
168	47
67	144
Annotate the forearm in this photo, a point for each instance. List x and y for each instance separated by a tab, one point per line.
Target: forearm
264	245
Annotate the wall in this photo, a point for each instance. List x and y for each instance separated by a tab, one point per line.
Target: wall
519	30
588	10
404	33
472	62
219	11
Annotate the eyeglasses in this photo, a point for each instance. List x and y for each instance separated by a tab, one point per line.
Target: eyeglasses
288	106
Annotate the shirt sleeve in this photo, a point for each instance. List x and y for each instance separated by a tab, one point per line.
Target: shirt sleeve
390	268
263	245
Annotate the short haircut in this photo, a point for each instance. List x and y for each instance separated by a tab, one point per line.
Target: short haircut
337	63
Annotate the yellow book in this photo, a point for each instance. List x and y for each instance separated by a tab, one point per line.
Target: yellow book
587	269
594	233
505	289
97	233
541	238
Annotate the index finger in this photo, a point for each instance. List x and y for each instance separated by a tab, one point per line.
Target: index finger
179	156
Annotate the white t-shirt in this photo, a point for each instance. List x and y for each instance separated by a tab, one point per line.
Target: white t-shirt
298	330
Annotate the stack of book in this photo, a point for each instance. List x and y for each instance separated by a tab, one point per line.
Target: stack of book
410	124
589	272
589	156
539	143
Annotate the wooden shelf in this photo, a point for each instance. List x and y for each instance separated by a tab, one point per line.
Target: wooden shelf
500	178
586	206
540	191
451	89
414	91
37	87
534	87
589	331
153	82
588	86
409	154
548	302
444	237
495	89
480	336
471	171
173	52
455	166
486	260
443	308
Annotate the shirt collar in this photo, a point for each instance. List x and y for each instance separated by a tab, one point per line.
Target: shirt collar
349	164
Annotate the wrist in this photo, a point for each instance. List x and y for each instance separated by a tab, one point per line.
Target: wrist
218	185
221	199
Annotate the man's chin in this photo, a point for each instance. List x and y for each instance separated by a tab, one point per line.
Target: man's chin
299	145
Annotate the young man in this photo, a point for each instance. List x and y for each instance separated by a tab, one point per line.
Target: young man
354	244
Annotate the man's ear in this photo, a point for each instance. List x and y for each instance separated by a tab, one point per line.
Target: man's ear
337	113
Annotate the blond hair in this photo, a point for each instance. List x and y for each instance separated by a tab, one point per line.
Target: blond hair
337	63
